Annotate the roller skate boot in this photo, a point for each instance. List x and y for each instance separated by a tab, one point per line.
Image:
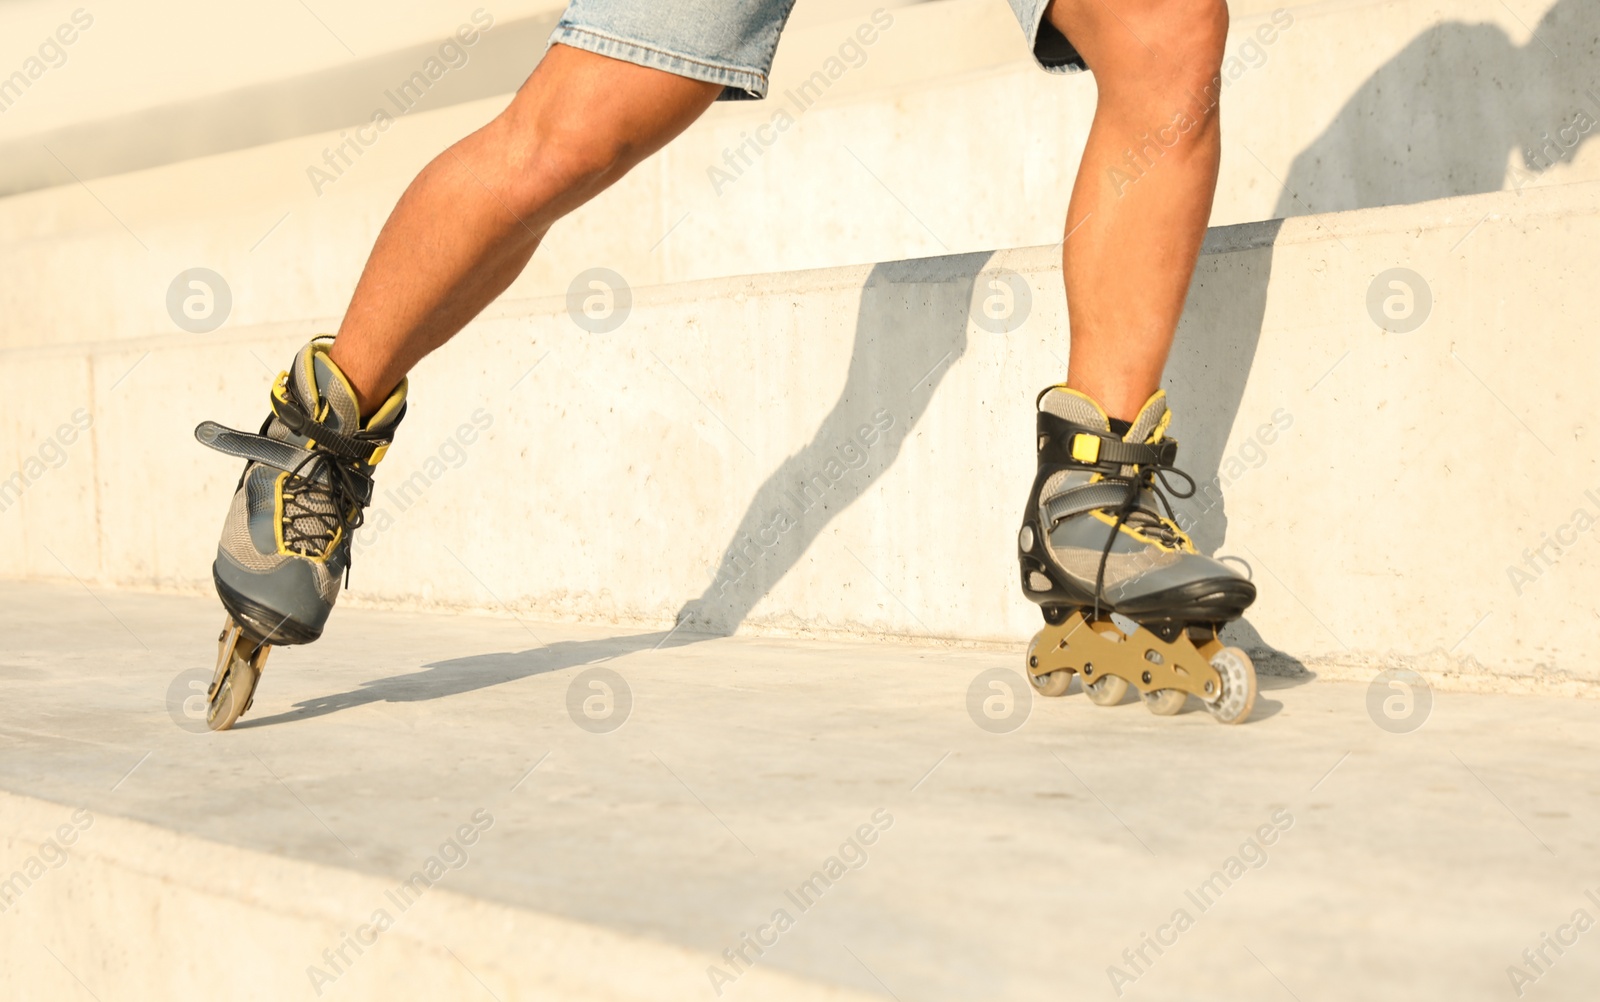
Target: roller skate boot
1126	598
286	542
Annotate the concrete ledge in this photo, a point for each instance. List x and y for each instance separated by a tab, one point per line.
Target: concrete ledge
1400	513
163	915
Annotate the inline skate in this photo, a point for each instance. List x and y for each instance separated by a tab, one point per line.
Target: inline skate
1126	598
286	541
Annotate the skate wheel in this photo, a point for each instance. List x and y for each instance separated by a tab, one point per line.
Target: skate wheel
1054	684
240	659
1238	696
1165	702
1107	690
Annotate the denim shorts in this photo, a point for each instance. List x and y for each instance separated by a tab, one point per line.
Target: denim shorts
731	42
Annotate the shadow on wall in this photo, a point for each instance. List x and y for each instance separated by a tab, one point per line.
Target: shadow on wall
892	380
890	383
1205	381
1210	364
1471	96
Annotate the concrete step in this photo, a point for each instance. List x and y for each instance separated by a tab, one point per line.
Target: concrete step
205	51
845	452
240	78
943	139
622	863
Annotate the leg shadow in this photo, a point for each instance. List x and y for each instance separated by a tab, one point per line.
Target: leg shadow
911	327
1205	380
1440	118
479	671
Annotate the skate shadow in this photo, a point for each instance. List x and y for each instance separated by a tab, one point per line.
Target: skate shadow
911	328
457	676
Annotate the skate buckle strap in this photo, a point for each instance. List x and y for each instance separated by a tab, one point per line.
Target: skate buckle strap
256	448
1084	497
1071	444
323	436
278	455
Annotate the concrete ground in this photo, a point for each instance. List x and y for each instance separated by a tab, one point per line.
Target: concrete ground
1016	864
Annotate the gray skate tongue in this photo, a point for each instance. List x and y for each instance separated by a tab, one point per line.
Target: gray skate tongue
1147	516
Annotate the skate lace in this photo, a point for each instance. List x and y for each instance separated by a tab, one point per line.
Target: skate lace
1146	479
315	511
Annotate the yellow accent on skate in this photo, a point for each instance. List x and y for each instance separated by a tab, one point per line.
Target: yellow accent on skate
1159	396
396	400
1086	448
1184	545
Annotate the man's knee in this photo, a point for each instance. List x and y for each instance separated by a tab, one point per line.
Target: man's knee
556	158
1162	45
1204	38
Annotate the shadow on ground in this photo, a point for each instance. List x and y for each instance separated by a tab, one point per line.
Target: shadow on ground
457	676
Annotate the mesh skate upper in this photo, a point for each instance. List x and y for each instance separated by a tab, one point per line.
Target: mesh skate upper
250	535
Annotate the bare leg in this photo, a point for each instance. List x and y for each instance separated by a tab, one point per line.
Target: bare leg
472	219
1135	225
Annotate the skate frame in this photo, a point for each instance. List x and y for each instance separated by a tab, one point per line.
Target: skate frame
1098	648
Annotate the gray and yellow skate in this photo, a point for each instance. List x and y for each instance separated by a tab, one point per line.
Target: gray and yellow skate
286	541
1126	598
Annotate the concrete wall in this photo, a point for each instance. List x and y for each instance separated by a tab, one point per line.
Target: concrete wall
945	140
1411	473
